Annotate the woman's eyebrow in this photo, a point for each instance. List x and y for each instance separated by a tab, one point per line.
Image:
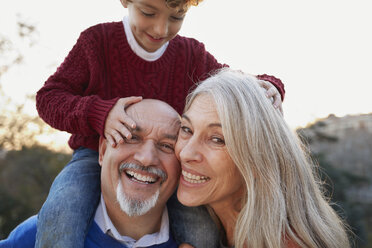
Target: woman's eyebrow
217	124
186	117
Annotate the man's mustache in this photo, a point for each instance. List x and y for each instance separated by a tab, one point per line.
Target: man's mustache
149	169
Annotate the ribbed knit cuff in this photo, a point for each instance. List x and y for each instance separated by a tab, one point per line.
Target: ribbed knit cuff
98	112
275	81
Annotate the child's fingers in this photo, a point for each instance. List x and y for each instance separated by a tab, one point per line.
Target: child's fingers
117	137
278	103
125	132
126	120
264	84
132	99
110	140
272	92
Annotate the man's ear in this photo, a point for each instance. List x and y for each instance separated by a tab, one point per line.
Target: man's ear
124	3
101	149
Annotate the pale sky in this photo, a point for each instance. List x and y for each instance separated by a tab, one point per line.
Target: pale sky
321	49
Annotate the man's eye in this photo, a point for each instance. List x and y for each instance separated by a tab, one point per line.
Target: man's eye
168	148
133	140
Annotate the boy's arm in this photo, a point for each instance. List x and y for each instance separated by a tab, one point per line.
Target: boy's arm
205	63
274	90
274	81
65	101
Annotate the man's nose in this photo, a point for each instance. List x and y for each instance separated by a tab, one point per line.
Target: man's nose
147	154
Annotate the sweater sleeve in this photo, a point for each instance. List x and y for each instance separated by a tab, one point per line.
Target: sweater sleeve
68	101
275	81
205	63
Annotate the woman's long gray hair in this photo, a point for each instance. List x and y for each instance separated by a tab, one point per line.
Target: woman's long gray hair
283	200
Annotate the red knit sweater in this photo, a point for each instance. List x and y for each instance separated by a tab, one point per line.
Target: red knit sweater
101	68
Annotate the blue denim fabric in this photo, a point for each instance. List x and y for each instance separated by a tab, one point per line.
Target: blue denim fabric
66	215
192	225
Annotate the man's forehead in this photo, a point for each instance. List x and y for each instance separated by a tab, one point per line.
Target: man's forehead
151	115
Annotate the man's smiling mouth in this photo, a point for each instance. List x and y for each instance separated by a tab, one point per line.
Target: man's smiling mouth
135	176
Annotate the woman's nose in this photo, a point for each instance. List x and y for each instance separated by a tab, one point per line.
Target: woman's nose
190	152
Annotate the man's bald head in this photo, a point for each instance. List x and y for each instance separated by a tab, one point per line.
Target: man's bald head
154	110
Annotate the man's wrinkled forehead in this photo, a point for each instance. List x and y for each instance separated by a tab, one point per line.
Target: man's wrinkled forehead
154	114
168	133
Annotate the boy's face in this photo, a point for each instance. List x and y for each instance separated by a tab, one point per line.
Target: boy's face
153	23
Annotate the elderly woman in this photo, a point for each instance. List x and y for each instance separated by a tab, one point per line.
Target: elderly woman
240	159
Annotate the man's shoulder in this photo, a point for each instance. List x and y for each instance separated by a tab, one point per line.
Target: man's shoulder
96	239
23	235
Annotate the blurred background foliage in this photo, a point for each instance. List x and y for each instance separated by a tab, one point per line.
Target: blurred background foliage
27	167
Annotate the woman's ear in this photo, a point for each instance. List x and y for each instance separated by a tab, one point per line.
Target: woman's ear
101	149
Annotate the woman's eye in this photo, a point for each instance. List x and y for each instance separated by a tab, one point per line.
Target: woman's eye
186	129
218	140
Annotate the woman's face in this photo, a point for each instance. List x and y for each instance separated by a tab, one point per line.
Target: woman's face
209	176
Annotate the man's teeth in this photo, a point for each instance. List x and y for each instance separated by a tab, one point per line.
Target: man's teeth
193	178
142	178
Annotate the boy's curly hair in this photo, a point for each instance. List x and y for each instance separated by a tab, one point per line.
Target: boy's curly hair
184	4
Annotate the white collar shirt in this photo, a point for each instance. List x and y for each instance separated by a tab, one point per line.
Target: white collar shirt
137	49
105	224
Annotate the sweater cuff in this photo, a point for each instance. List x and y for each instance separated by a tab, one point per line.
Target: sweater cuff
275	81
98	112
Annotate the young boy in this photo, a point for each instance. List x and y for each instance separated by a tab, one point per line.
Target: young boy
87	96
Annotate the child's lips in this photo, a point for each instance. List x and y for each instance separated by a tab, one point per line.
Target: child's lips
155	39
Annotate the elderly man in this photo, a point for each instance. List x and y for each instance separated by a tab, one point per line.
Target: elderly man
137	179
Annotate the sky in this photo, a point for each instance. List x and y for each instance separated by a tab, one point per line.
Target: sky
320	49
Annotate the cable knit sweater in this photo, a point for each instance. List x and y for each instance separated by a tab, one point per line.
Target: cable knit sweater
101	68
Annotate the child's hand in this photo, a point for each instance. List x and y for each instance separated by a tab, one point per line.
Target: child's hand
118	123
272	92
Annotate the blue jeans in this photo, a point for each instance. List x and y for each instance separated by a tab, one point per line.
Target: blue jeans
66	215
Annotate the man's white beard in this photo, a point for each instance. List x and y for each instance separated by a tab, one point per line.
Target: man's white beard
135	207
